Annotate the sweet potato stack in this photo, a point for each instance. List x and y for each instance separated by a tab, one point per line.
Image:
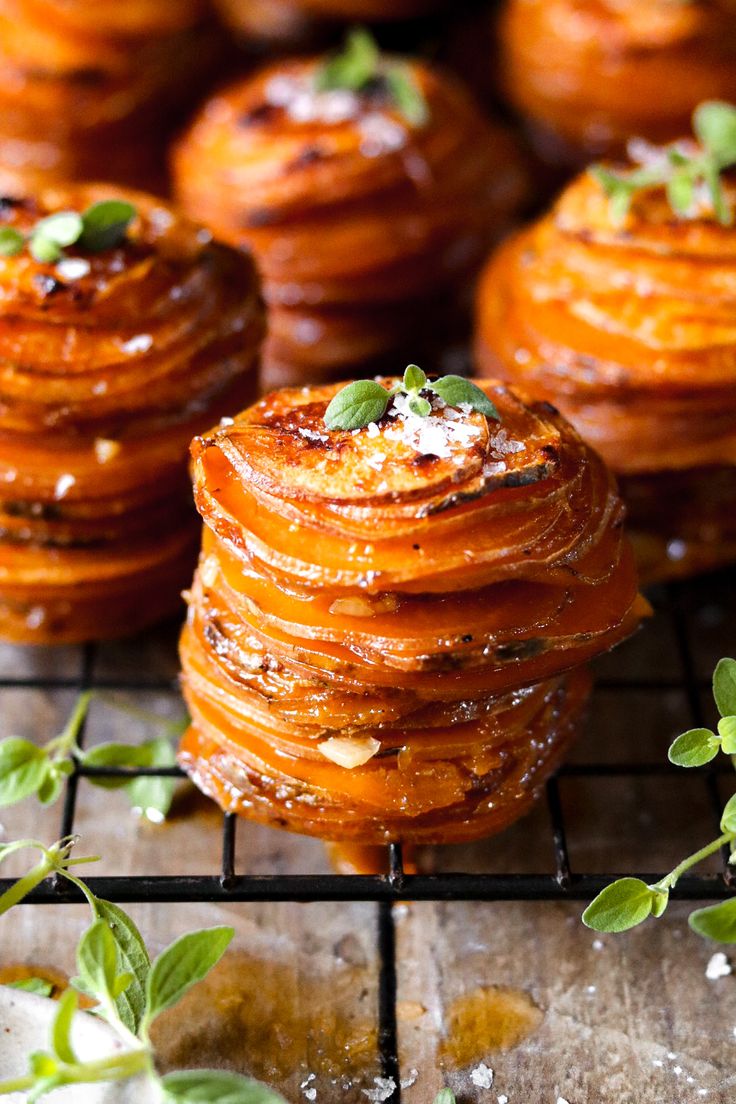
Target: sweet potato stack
590	74
296	21
629	327
387	626
87	87
367	227
112	361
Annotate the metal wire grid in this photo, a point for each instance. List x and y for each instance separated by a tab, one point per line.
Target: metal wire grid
386	889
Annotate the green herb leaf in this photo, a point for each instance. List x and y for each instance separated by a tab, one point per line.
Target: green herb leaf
105	224
62	1027
189	959
44	250
150	794
52	784
681	192
724	687
694	748
215	1087
117	755
714	124
458	391
420	406
63	228
727	732
445	1096
11	241
97	962
716	922
414	378
32	985
622	905
357	405
23	769
354	67
728	816
131	958
407	95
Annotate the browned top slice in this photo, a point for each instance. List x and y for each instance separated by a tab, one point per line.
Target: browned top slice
282	446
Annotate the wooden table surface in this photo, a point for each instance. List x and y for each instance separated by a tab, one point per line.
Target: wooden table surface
522	988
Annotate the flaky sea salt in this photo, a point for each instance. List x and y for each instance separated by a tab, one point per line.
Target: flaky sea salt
482	1076
718	967
73	268
379	135
384	1090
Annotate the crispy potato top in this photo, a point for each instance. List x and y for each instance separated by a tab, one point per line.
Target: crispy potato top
282	446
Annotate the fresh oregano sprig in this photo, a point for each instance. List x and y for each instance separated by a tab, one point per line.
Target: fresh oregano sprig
360	67
27	769
688	172
365	401
629	901
103	225
129	991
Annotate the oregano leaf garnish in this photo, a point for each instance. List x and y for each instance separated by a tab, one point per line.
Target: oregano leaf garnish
716	922
113	962
356	405
694	748
365	401
360	67
104	225
688	171
27	769
629	901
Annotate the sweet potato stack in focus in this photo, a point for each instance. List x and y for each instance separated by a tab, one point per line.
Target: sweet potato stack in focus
368	189
387	627
112	361
625	319
89	87
588	75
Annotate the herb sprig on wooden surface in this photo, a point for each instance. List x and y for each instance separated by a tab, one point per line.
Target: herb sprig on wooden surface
104	225
361	67
689	172
30	770
129	992
629	901
365	401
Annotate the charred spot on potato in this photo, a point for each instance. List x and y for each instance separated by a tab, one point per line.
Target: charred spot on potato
260	114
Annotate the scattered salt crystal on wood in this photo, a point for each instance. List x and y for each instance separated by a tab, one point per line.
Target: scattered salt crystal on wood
384	1090
718	967
482	1076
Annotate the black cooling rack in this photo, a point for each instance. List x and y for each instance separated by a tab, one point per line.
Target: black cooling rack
563	883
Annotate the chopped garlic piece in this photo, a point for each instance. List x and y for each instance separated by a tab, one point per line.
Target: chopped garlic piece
365	607
349	752
106	450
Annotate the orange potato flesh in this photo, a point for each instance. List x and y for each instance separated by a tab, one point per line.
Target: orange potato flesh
88	88
441	620
630	330
362	253
105	380
590	74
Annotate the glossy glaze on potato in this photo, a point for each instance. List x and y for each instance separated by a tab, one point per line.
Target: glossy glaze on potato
105	379
89	87
365	248
439	606
629	327
590	74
